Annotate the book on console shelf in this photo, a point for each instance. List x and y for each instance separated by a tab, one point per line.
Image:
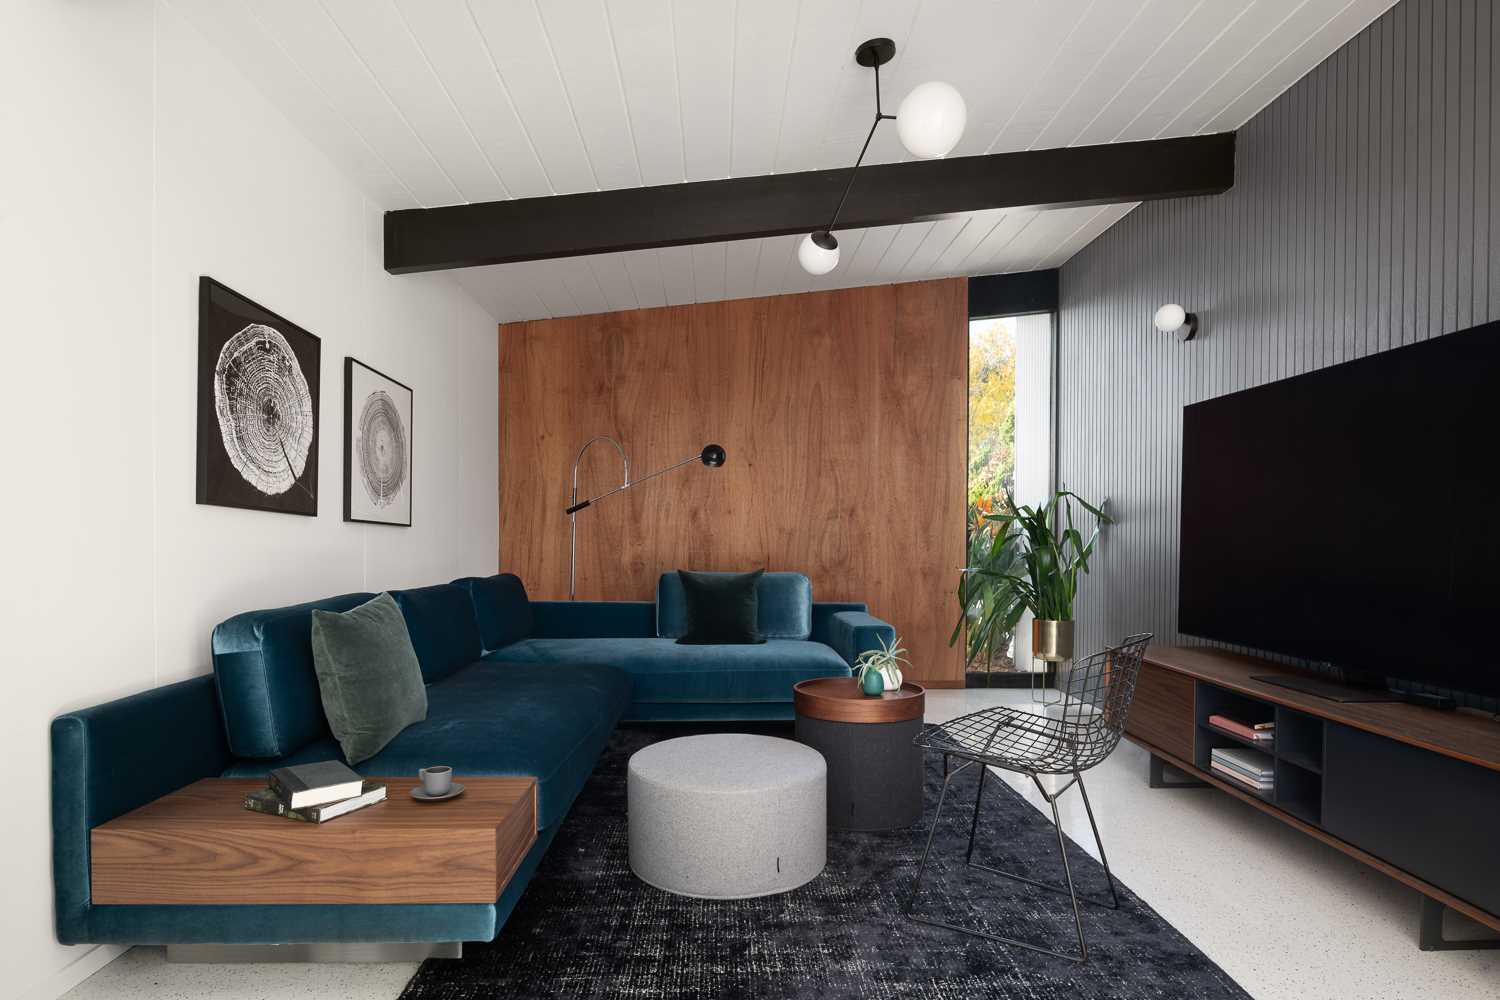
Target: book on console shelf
1249	767
1260	732
267	800
1242	780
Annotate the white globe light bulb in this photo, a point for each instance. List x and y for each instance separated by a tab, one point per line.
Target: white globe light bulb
1170	317
931	120
817	259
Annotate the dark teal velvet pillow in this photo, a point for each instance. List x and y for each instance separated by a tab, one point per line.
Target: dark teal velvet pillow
722	609
368	675
443	629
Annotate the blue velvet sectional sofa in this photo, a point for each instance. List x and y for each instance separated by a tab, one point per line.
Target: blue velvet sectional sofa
515	687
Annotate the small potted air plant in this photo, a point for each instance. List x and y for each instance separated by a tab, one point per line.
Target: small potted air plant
879	670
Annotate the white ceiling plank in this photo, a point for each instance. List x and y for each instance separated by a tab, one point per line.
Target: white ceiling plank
1206	67
517	44
614	280
763	34
583	45
1042	237
1091	230
951	259
866	258
903	245
777	253
742	257
942	234
817	62
644	269
709	263
677	274
982	259
705	39
647	55
1297	63
1305	22
1137	44
517	294
311	39
545	278
583	286
1162	65
229	26
453	45
388	48
1091	40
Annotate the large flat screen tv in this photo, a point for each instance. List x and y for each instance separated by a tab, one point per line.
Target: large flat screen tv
1351	515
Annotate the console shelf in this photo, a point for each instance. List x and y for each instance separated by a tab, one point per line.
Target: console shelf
1396	786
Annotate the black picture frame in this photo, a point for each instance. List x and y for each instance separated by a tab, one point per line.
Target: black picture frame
266	394
363	502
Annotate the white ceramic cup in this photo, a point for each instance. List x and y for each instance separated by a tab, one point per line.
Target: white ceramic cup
436	780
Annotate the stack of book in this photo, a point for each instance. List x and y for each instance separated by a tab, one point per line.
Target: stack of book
1260	732
1247	768
314	793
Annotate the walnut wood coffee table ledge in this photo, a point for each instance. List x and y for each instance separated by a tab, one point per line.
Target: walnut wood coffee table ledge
839	699
199	845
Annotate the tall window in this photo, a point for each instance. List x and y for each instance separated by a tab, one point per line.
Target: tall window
1010	442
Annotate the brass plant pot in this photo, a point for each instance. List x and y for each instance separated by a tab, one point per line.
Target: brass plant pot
1051	640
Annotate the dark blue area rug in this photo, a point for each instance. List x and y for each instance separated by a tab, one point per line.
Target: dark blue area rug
588	928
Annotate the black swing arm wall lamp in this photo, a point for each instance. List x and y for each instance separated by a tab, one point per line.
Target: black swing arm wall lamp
712	456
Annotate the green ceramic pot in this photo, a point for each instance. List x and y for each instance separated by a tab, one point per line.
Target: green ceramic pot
873	683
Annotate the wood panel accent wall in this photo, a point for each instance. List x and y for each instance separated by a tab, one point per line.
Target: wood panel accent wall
844	415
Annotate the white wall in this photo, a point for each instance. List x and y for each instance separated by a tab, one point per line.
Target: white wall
1034	472
134	159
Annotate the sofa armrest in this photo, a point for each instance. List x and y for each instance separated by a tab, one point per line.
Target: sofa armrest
854	632
112	758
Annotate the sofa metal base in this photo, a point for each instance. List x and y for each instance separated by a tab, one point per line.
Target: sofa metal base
325	951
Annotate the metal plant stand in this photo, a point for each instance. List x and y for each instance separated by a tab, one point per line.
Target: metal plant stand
1095	700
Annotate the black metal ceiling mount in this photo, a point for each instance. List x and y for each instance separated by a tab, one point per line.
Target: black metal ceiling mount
872	54
500	232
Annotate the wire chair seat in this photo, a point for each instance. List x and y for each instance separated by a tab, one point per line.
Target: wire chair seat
1015	740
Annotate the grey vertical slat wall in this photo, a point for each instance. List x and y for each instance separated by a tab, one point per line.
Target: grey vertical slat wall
1365	215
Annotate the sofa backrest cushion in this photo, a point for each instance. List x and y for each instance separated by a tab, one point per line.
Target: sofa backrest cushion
443	629
500	607
785	605
268	690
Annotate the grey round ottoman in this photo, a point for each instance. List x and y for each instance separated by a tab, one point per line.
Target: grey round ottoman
727	815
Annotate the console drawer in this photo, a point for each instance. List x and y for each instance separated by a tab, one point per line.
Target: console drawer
1161	712
1427	814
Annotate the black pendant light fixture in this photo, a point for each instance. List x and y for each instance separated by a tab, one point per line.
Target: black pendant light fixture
929	122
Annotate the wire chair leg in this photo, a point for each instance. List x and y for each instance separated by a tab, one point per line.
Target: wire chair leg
937	817
916	887
1062	849
1108	875
984	772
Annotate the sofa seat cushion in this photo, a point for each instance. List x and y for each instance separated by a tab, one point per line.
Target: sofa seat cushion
543	720
661	670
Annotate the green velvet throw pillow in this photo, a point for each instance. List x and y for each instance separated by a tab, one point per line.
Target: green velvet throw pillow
368	675
721	609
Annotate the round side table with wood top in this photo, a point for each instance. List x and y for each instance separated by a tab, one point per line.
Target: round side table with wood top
874	768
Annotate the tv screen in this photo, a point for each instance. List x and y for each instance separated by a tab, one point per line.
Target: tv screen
1351	516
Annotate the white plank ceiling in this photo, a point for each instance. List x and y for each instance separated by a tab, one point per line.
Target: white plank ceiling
440	102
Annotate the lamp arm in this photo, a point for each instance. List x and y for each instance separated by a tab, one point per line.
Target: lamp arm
580	504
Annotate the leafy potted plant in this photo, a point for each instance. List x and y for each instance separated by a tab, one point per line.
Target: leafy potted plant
879	670
1032	564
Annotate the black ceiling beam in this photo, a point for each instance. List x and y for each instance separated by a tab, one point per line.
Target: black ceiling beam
502	232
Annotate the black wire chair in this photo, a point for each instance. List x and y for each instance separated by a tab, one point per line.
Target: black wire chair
1086	728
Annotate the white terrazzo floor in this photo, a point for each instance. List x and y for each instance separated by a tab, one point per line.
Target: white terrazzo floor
1286	916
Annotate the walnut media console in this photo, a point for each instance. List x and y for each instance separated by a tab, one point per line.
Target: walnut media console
1410	791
